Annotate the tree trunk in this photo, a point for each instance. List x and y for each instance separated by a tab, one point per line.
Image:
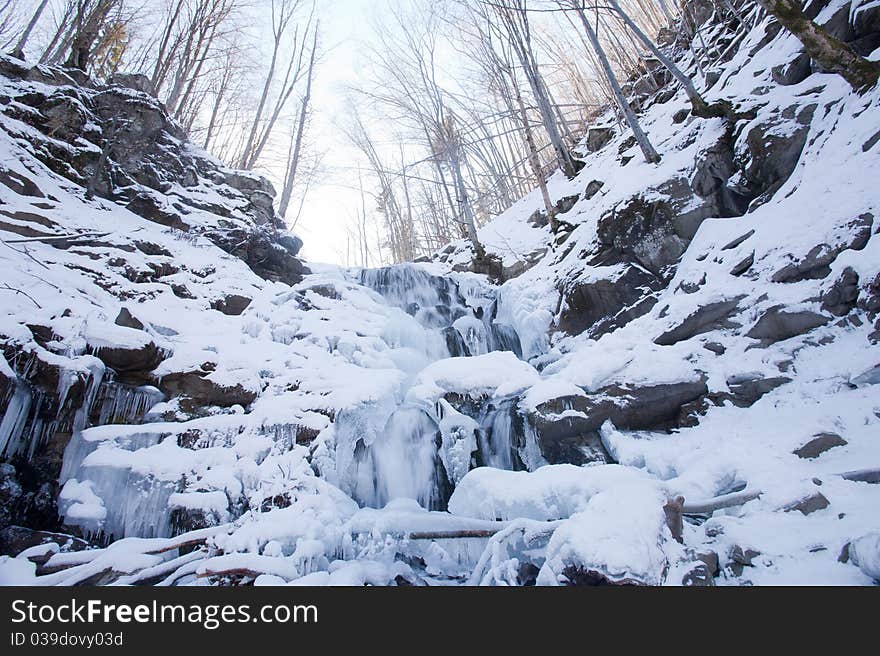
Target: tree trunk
650	154
18	53
300	131
700	108
832	54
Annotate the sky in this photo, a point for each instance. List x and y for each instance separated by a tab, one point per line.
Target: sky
346	30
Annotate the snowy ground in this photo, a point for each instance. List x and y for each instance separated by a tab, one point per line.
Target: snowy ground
327	477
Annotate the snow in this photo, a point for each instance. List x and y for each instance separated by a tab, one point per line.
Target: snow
368	414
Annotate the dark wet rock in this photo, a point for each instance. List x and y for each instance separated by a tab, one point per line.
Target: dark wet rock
842	297
743	265
598	138
268	256
820	444
739	240
127	320
132	362
199	391
20	184
151	208
565	205
15	539
745	393
715	316
812	503
771	154
778	324
137	81
593	188
715	347
816	264
699	576
794	72
567	428
605	304
232	304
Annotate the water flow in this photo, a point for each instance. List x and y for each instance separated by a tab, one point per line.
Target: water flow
397	450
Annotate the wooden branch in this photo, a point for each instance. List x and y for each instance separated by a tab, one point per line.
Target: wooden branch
453	535
719	503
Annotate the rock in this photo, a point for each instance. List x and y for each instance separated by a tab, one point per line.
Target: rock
136	81
777	325
745	393
794	72
653	228
15	539
681	116
843	295
199	391
605	304
593	188
839	26
743	265
232	304
816	263
819	444
772	151
598	138
807	506
127	320
738	241
864	552
698	577
134	362
866	19
20	184
714	316
739	558
870	376
715	347
567	428
564	205
270	255
151	208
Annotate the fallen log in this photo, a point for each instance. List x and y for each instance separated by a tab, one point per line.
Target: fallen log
453	535
719	503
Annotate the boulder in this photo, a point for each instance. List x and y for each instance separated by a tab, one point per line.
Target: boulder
864	553
232	304
843	295
777	324
714	316
820	444
127	320
793	72
605	304
816	264
598	138
197	390
567	428
134	361
136	81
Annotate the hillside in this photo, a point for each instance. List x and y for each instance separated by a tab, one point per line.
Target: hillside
676	386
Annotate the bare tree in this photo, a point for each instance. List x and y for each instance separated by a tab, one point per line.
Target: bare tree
648	151
290	178
18	52
834	55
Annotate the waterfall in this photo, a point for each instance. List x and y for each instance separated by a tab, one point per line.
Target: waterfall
397	449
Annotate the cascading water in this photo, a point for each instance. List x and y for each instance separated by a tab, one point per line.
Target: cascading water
406	449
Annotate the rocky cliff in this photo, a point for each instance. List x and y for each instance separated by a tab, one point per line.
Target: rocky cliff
675	386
